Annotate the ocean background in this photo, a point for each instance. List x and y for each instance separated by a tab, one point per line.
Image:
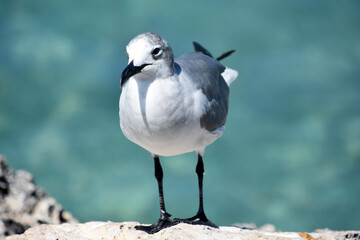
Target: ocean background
290	154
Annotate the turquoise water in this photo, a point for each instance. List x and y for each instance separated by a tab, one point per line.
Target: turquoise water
290	154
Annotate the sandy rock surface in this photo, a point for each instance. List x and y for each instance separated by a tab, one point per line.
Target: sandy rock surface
126	230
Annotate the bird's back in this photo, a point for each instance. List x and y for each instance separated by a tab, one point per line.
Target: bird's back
206	75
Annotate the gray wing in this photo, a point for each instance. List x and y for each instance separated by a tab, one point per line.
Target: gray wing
205	74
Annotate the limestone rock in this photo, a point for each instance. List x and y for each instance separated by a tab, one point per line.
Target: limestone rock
126	230
23	204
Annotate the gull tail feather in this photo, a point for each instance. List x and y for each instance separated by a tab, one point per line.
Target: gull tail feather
229	74
199	48
225	55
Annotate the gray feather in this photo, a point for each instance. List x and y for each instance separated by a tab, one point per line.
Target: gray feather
206	75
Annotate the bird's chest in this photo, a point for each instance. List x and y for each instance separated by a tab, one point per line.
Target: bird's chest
153	109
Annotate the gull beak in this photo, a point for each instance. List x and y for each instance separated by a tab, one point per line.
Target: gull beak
130	71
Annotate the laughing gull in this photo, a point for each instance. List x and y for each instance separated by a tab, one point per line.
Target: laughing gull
173	106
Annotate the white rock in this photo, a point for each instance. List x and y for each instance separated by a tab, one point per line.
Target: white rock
127	231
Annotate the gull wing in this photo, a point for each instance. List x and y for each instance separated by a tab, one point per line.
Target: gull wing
205	73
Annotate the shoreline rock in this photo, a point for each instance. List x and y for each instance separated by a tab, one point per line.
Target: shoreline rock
126	230
24	205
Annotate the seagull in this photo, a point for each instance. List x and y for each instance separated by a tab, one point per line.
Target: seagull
170	106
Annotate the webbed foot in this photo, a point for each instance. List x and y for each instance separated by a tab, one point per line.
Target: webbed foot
199	219
163	222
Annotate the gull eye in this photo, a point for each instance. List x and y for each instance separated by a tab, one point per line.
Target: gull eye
156	52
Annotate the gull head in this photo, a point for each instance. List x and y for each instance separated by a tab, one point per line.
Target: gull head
150	57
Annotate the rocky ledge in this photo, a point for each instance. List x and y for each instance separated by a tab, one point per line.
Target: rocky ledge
126	230
24	205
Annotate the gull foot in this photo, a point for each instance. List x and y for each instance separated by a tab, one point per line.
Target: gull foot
198	219
156	227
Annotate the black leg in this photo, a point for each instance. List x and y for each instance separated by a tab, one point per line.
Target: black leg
164	220
200	218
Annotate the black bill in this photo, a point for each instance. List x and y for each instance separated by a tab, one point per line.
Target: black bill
129	71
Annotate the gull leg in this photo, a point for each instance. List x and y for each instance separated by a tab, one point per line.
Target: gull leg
164	220
200	218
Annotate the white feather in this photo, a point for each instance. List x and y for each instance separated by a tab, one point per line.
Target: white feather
229	75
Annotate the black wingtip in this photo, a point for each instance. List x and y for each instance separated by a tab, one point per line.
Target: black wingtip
199	48
225	55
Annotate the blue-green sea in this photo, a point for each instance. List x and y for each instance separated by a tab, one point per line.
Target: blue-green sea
290	154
